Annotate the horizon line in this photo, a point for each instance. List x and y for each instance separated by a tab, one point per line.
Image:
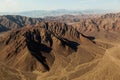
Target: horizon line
56	10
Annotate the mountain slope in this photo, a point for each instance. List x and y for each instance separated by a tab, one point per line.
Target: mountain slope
108	22
50	48
57	51
108	67
14	21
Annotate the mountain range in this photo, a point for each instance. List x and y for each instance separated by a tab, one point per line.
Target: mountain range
59	12
67	47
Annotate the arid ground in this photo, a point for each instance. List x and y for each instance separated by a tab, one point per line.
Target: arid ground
60	48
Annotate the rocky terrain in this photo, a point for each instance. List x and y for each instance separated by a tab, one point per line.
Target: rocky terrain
108	22
51	50
70	18
8	22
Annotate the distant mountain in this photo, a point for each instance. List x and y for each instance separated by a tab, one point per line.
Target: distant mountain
108	22
8	22
59	12
83	23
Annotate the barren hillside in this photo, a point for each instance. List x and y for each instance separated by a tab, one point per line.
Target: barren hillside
52	50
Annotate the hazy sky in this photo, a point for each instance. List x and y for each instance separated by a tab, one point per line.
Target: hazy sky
27	5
